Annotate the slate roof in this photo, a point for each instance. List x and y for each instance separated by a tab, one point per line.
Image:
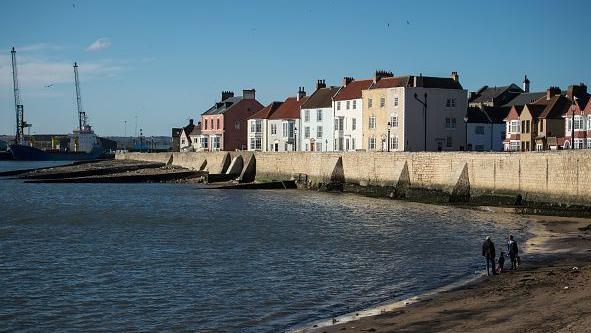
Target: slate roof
290	109
223	106
525	98
555	107
196	130
352	90
487	94
535	109
267	111
422	81
321	98
477	115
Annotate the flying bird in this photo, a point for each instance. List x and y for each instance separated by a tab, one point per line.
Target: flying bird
49	86
407	22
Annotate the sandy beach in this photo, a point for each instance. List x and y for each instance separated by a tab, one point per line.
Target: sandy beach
551	292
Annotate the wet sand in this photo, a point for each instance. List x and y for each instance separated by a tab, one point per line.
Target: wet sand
551	292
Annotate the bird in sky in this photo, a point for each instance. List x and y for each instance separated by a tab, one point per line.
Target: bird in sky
49	86
408	22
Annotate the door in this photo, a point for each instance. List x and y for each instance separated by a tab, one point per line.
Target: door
311	146
276	148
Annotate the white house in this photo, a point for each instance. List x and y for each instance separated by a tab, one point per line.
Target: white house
283	124
317	120
485	129
348	114
259	129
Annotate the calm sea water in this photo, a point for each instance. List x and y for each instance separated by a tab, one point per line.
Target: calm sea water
154	257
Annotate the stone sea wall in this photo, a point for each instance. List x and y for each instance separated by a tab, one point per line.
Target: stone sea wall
555	177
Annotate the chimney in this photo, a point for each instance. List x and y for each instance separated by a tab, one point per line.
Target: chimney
380	74
552	91
418	80
455	76
248	94
578	91
347	80
227	94
320	84
472	95
190	122
301	93
526	84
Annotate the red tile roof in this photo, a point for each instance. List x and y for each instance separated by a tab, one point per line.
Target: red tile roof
290	109
267	111
555	107
514	113
353	90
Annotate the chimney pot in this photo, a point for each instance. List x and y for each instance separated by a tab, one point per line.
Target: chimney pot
526	84
248	94
301	93
227	94
347	80
455	76
320	84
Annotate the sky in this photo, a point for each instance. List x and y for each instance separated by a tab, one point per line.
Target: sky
158	63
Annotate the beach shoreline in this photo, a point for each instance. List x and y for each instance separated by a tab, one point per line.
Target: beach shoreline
560	244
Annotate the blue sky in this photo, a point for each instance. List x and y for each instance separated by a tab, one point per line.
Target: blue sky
167	61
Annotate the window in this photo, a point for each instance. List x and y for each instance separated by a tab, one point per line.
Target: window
318	115
371	143
216	142
569	124
341	123
319	132
237	124
394	143
307	115
273	128
395	101
514	127
539	147
353	143
479	130
588	143
255	143
204	142
255	126
353	124
394	120
319	146
453	102
515	146
354	104
449	142
338	105
450	122
369	103
382	102
336	124
579	144
218	123
182	141
372	122
579	123
589	122
307	132
205	123
348	105
288	129
448	102
307	147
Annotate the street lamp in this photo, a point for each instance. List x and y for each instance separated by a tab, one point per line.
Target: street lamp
466	130
295	138
424	103
325	144
572	127
389	126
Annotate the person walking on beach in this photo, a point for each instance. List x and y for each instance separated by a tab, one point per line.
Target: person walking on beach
513	251
488	251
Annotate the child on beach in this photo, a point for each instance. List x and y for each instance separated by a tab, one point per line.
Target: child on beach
501	263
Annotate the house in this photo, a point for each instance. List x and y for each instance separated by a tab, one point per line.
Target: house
176	137
348	113
512	140
485	129
414	113
496	96
195	138
317	119
284	122
579	115
184	139
224	124
258	128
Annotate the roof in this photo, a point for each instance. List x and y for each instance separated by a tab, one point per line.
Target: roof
223	106
487	94
477	115
267	111
321	98
525	98
555	107
421	81
290	109
514	113
196	130
353	90
176	132
535	109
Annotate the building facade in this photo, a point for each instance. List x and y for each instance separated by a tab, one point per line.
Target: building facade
348	115
224	125
258	128
317	119
483	131
414	113
284	124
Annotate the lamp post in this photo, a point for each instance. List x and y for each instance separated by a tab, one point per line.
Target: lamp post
424	103
325	144
295	138
466	130
389	126
572	126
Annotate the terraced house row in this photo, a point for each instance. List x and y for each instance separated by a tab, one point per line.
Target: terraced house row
396	113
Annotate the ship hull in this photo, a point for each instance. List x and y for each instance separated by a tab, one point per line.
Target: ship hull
26	153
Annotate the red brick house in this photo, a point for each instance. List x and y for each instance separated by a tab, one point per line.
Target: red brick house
578	116
224	125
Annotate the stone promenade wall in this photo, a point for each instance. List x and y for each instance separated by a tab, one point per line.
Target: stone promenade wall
562	177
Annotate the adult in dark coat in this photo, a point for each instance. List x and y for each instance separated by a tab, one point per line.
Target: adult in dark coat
513	251
488	251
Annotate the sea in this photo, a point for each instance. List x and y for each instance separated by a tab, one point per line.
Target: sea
187	258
